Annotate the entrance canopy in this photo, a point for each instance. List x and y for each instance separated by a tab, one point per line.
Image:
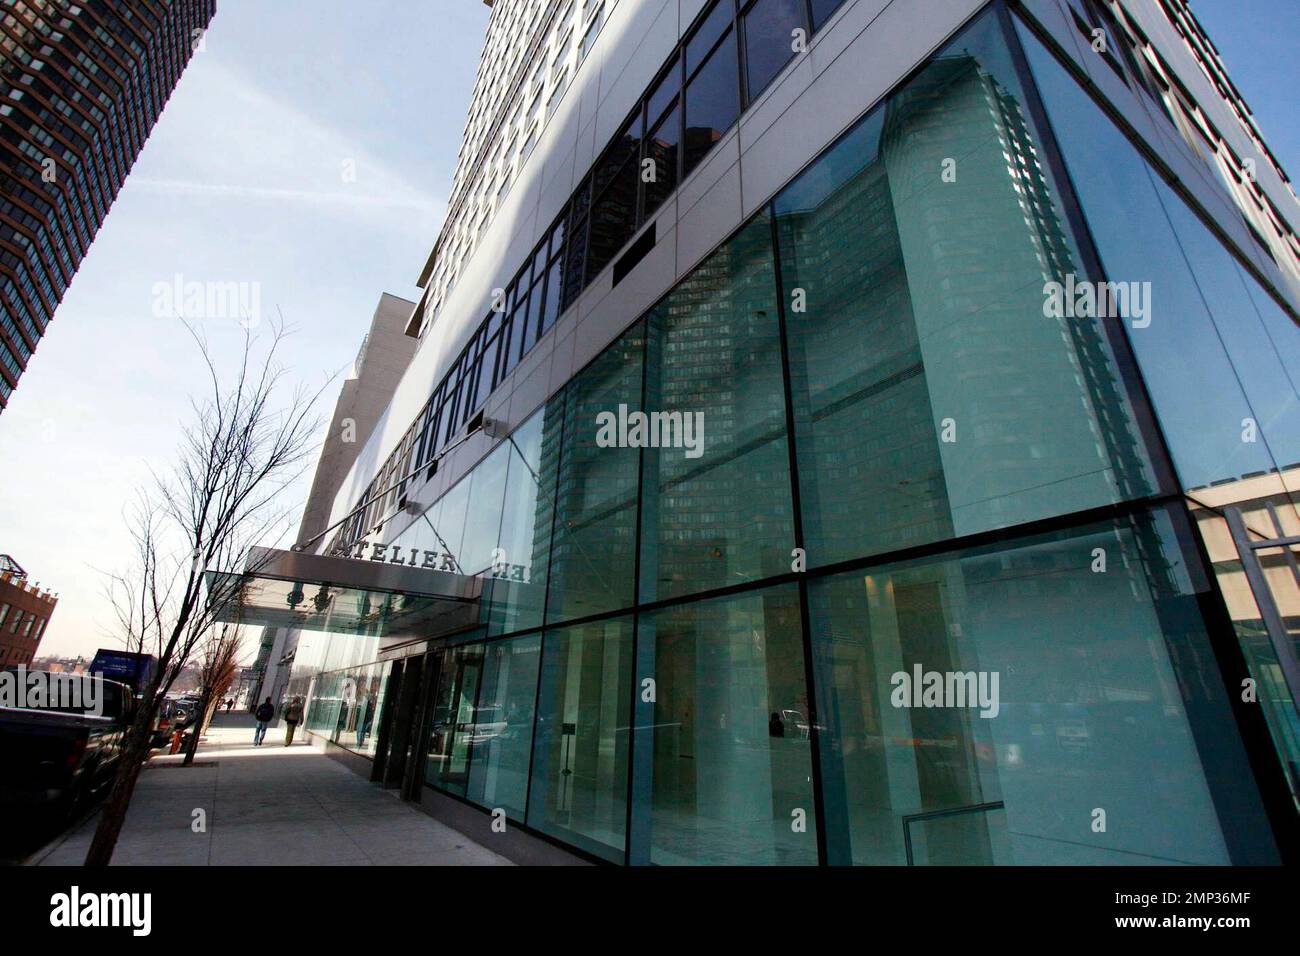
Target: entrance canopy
316	592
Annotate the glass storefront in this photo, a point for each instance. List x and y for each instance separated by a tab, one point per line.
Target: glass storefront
856	468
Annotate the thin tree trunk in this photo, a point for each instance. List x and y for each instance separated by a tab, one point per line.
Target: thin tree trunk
200	719
113	815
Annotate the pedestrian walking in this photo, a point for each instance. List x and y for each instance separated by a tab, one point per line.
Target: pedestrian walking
292	716
265	713
230	704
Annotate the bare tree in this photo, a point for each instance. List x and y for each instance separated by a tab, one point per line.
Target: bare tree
216	674
247	442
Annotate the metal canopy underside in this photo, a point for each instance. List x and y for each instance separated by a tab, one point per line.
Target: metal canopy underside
314	592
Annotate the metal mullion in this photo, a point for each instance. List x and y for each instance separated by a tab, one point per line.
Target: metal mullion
805	616
543	628
629	829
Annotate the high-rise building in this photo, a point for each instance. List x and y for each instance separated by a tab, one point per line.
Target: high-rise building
861	431
81	85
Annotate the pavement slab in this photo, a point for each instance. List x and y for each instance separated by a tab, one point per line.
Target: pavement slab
268	806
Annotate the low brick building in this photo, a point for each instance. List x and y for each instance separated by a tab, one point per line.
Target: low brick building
25	610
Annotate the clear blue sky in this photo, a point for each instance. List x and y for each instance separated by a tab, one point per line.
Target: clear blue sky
1259	41
242	181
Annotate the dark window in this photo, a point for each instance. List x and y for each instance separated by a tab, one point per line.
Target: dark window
573	262
712	102
558	233
431	443
581	201
467	398
450	410
662	147
518	325
822	10
707	34
487	368
769	27
613	219
534	316
662	95
551	308
539	260
624	147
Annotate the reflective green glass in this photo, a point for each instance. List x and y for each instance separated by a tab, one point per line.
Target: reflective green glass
579	782
453	724
934	393
501	732
516	594
730	736
487	486
716	505
593	547
1197	395
982	707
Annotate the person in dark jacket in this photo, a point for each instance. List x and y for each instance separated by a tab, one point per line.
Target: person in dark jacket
265	713
292	716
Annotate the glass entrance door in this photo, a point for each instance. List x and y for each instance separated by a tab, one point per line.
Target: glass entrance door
455	724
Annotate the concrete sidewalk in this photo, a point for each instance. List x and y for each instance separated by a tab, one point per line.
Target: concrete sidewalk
268	805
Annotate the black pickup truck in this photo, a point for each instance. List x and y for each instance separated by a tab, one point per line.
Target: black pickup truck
56	759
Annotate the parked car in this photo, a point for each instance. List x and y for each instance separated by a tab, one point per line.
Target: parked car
59	759
165	722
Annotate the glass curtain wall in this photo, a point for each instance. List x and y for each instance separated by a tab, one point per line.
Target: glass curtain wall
1221	359
869	367
1086	713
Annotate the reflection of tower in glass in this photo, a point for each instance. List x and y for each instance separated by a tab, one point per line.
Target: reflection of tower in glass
979	245
716	352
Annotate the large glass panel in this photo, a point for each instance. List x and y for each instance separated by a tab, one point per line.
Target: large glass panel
1017	704
454	721
372	686
447	524
1253	355
933	394
518	591
716	498
1197	393
579	782
502	730
593	549
730	735
769	27
487	485
712	102
1283	330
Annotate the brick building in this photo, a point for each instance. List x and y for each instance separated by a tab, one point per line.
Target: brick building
25	610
